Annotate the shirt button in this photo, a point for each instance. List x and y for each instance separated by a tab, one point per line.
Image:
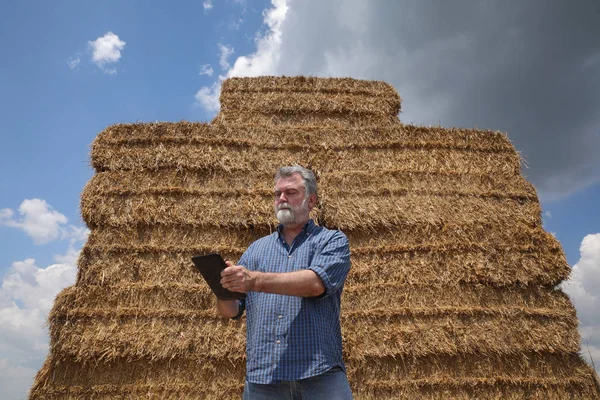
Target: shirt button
290	256
278	341
281	316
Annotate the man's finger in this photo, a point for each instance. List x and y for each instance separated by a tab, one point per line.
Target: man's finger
228	279
229	271
233	287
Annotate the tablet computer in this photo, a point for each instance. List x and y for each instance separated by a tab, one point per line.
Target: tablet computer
210	266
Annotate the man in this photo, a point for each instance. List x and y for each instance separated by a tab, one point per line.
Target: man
294	280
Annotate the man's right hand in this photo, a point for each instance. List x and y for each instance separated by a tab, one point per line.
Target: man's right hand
237	278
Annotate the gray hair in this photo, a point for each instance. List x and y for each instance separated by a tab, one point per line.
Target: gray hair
308	177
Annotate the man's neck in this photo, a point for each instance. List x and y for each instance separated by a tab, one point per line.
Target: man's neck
292	230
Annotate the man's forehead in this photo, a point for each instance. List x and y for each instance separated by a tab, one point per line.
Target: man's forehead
290	182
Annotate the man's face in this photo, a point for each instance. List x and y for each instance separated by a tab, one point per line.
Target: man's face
290	204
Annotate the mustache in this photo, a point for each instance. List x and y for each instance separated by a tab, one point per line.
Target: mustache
284	206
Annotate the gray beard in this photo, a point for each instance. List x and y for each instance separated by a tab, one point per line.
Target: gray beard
287	216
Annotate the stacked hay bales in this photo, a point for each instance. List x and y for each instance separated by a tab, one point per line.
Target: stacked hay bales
451	292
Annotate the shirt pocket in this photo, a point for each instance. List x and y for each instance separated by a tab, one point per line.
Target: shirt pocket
307	252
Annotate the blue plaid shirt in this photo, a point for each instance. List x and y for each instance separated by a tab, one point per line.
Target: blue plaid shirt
288	337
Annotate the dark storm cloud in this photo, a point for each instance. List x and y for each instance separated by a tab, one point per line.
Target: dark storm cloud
531	69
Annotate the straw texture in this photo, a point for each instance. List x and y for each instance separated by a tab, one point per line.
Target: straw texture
452	288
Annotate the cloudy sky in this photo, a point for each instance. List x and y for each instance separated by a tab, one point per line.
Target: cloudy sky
69	69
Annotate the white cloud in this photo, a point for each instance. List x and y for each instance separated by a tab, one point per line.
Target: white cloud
27	293
42	223
206	69
107	50
224	53
208	97
5	214
584	289
38	220
261	62
35	287
74	62
548	214
208	5
26	296
109	71
15	380
266	58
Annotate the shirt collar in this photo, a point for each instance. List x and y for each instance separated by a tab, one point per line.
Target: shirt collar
309	227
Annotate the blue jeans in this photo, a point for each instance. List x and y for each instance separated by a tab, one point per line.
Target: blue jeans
331	385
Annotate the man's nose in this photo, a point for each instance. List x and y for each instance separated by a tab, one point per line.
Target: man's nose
281	198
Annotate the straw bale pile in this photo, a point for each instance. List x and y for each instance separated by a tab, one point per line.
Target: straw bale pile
452	288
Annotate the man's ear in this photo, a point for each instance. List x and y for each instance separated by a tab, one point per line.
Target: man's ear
312	201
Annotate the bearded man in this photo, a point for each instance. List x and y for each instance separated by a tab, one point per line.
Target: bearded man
294	280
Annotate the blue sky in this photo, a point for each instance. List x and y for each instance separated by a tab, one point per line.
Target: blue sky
505	67
51	113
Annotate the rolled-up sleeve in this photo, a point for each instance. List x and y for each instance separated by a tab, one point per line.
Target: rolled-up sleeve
332	264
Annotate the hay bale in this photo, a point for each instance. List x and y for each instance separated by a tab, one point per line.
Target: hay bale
452	281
